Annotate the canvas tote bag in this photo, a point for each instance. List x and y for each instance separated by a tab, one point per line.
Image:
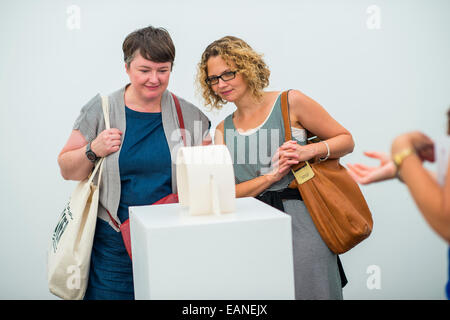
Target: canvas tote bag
70	249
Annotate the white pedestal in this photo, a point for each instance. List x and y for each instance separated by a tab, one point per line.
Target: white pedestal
241	255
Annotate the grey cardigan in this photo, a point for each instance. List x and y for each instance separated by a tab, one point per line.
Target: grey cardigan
91	123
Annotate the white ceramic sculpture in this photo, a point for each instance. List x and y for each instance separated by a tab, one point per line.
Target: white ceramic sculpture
205	180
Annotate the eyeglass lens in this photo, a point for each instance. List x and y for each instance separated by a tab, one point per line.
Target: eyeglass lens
226	76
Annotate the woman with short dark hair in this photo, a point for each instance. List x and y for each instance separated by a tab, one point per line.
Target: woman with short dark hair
139	150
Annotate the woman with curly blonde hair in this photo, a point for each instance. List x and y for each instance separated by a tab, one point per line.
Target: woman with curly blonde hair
231	71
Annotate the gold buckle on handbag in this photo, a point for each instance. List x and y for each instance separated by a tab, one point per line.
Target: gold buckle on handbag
303	174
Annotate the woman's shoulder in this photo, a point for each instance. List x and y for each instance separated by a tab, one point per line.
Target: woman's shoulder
295	95
93	105
299	101
90	113
274	93
89	118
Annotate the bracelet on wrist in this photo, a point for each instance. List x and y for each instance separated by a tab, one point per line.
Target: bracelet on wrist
398	159
328	152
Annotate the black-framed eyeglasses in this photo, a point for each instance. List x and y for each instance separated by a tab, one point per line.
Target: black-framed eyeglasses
226	76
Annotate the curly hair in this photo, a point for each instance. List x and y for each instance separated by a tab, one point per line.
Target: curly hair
248	62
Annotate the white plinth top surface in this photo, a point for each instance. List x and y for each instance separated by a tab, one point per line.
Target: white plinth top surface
242	255
171	215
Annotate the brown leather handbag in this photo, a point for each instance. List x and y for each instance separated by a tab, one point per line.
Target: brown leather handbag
333	199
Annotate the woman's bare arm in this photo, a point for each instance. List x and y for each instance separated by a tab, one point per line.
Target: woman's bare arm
72	160
432	199
312	116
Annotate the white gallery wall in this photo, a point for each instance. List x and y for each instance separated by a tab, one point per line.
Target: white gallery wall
380	67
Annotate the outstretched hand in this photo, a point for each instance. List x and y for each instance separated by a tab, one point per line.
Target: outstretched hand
365	175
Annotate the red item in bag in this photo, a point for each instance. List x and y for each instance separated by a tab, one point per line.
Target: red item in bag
125	226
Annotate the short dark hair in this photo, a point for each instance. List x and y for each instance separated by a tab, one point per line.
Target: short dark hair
154	44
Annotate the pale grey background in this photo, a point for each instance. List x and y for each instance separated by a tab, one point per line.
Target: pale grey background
377	83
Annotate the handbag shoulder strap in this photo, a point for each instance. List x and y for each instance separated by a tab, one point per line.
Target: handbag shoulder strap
180	117
287	125
285	114
99	165
105	107
310	137
287	122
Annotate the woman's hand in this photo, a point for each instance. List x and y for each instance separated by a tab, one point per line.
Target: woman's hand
421	143
298	152
423	146
365	175
289	154
107	142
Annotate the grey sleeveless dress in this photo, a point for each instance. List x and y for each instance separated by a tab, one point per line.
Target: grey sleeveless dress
316	272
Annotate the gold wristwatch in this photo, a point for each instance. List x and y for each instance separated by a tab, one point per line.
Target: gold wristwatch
400	156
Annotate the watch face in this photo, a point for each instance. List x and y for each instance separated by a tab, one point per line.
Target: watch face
91	155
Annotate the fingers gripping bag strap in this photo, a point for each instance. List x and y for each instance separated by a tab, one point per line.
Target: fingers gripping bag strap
99	164
105	107
288	136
